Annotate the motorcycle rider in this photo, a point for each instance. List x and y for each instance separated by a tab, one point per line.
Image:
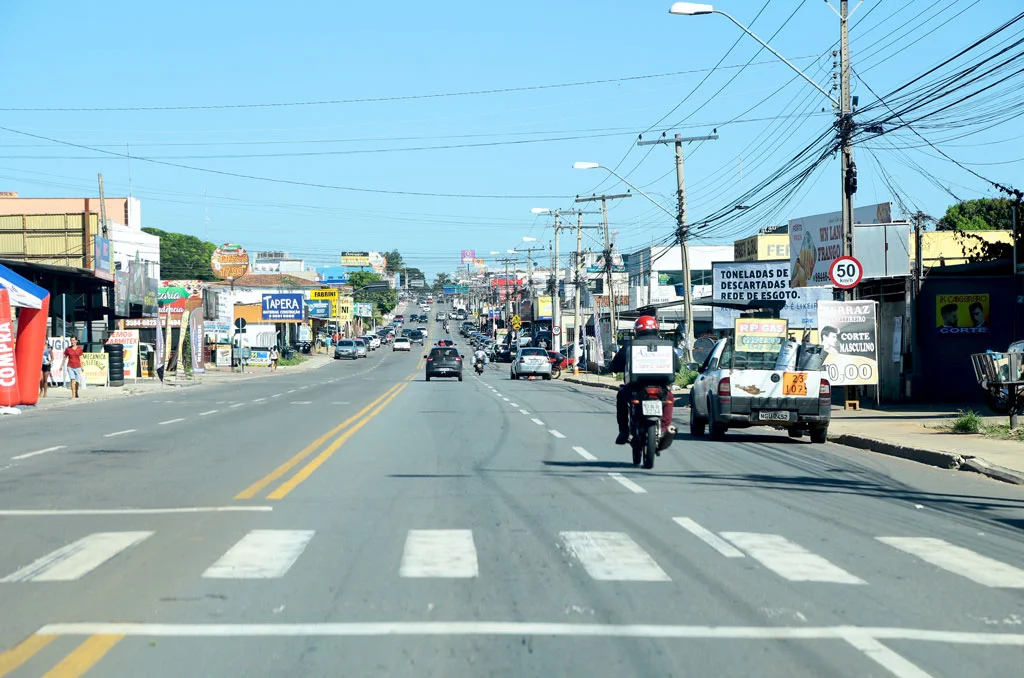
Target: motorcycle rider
479	358
646	326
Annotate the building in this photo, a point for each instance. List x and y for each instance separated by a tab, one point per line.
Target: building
280	262
770	244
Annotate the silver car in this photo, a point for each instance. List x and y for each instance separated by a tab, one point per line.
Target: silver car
361	351
345	348
531	362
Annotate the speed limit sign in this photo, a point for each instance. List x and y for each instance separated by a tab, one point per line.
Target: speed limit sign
556	330
845	273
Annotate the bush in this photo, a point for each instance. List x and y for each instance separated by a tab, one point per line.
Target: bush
969	421
297	359
686	377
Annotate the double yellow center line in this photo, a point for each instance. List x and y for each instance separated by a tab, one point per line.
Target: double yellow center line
80	660
346	428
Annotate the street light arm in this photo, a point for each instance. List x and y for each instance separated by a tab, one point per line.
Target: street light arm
784	59
623	180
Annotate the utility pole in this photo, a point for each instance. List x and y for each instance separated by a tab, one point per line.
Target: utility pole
682	231
556	302
849	168
608	254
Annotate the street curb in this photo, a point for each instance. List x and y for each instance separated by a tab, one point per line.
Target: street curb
595	384
1007	475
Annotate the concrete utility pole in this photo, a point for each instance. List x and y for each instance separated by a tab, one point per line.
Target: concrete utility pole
682	231
608	254
849	168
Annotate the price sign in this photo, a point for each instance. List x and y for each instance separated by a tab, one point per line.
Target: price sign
846	273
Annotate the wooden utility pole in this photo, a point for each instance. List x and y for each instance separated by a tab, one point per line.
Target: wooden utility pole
608	254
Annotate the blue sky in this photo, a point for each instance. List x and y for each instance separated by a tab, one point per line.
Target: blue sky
519	145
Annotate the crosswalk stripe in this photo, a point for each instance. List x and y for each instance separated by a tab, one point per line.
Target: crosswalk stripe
709	538
261	554
78	558
612	556
959	560
447	554
788	560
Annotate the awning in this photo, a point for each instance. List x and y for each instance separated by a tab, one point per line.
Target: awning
23	294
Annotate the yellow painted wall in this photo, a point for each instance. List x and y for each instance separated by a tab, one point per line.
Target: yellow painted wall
939	245
763	247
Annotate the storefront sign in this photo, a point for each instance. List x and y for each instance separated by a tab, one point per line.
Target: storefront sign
816	241
94	367
345	309
364	310
759	335
129	340
282	307
961	313
759	281
319	308
848	330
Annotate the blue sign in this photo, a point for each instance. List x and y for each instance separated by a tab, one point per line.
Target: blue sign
449	289
319	308
282	307
101	258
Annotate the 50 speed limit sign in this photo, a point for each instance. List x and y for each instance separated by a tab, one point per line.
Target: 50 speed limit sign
845	273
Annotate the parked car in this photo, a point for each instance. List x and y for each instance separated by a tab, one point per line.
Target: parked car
372	341
361	350
401	344
531	362
346	348
444	362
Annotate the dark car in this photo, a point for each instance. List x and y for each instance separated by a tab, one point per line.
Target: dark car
444	362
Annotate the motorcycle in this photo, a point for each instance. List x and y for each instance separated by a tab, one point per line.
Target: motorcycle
479	367
650	409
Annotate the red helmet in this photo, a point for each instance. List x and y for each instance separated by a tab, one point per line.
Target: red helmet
645	324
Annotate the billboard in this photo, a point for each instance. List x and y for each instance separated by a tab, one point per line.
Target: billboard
763	280
355	259
762	247
229	261
849	333
282	307
468	256
377	261
816	241
319	308
543	308
344	308
101	267
961	313
363	309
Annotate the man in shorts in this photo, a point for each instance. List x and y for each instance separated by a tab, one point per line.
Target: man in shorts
73	365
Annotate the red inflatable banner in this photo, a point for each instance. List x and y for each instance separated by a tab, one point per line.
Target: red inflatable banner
9	395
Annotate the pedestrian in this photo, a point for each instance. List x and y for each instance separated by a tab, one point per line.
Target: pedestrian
44	378
73	365
273	358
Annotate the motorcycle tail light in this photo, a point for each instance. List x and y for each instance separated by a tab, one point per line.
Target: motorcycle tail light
653	391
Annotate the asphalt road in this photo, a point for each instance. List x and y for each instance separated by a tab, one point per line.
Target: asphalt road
356	520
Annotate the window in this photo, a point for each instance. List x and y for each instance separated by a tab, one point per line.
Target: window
444	353
534	351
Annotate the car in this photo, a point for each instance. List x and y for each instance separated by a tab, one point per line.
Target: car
400	319
361	350
401	344
444	362
418	337
373	341
345	348
531	361
439	317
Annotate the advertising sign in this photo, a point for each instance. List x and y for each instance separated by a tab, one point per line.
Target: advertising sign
345	309
94	367
355	259
229	261
305	333
129	339
169	295
848	330
468	256
816	241
282	307
364	309
378	262
319	308
101	267
449	289
961	313
762	247
759	335
543	308
121	282
223	356
763	280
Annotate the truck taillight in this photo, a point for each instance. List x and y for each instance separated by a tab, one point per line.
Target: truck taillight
724	388
825	391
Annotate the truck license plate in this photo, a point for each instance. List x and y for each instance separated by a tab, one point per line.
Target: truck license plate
652	408
773	416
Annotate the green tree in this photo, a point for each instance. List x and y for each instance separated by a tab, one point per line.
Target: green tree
441	280
383	300
415	274
395	261
984	214
183	256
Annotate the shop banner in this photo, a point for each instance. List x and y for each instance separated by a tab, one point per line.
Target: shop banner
544	308
94	366
319	308
364	309
282	307
129	339
121	283
849	332
961	313
759	335
344	309
196	339
763	280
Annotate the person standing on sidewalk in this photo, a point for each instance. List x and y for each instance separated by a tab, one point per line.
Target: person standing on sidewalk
44	377
73	364
274	356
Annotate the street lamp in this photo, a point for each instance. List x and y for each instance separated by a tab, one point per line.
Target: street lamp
527	238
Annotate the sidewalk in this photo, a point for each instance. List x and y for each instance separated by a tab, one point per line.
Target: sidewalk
911	432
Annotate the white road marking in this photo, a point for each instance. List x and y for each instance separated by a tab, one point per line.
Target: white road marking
78	558
302	402
220	402
513	405
958	560
237	404
556	433
261	554
33	513
538	422
627	483
173	421
583	453
340	402
120	433
516	629
788	560
895	663
525	412
38	452
439	553
291	391
203	414
709	538
277	395
612	556
505	399
258	400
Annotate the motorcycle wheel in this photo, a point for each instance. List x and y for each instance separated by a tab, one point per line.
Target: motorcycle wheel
651	447
556	372
638	452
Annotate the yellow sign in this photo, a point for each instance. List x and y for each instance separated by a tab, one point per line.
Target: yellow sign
355	259
516	320
324	293
794	383
344	309
94	367
543	308
961	313
759	335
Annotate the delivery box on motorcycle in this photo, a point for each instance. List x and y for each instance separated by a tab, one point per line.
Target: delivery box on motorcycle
650	361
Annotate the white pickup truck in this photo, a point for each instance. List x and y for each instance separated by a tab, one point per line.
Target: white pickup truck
739	390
